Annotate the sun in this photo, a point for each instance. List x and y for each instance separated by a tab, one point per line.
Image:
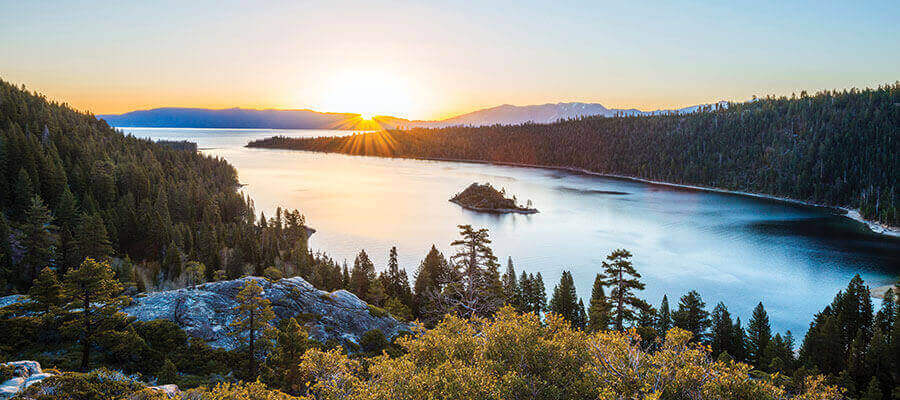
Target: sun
368	93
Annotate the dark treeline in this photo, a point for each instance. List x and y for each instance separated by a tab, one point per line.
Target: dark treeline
835	147
71	187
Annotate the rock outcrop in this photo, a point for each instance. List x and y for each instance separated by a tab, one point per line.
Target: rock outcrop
205	311
25	374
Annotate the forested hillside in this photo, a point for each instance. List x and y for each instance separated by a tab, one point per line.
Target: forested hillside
71	187
834	148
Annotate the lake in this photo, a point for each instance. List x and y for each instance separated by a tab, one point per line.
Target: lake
730	248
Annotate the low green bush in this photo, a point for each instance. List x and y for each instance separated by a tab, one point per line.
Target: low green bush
373	341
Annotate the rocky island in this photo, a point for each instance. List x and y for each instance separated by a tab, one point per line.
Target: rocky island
485	198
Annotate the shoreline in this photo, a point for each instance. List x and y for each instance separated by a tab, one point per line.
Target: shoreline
526	211
853	214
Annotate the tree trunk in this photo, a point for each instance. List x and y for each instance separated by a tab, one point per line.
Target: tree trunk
620	300
86	335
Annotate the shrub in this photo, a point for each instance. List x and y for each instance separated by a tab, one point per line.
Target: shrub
377	312
397	309
241	391
163	336
373	341
168	373
6	372
273	274
100	384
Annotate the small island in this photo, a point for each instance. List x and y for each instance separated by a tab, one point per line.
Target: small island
485	198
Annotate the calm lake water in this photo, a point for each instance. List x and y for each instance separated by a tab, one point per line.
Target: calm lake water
730	248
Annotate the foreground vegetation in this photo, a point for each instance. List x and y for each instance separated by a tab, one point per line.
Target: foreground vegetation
482	335
833	148
509	356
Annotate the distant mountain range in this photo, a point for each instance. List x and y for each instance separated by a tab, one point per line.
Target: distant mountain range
173	117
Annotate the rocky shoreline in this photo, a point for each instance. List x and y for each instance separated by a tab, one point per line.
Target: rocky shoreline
496	210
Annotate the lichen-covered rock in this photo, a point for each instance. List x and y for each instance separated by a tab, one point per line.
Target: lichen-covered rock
25	374
206	311
169	390
13	299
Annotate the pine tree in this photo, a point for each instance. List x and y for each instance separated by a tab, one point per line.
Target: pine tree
91	239
692	316
758	336
624	281
24	193
879	362
431	272
362	275
581	319
345	277
599	307
253	320
894	350
854	310
884	320
93	296
46	293
564	301
66	211
6	272
646	323
376	294
722	338
738	345
511	286
39	240
539	297
475	289
819	344
664	322
173	262
392	276
395	281
284	361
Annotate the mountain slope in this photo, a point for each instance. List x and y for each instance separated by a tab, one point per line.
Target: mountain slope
173	117
540	114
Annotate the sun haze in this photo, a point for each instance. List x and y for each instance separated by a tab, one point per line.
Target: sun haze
427	60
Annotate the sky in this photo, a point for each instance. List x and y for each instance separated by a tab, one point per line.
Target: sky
433	59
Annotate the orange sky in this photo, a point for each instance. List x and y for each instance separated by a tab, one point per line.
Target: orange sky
428	60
